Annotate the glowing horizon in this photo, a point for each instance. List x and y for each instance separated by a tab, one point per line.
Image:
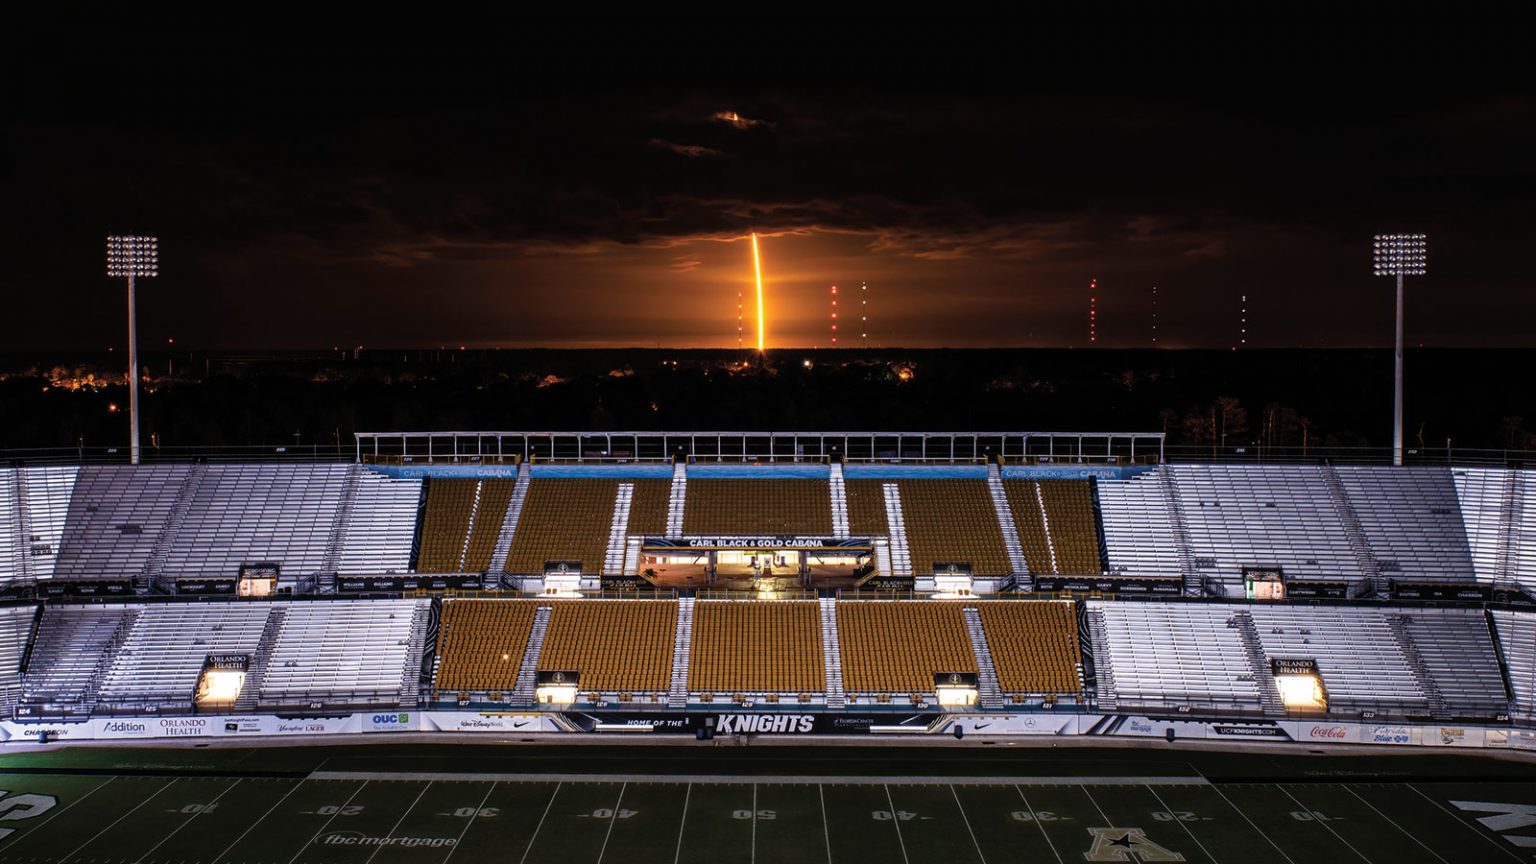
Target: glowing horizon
757	269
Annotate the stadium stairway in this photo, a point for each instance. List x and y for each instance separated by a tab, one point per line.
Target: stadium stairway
618	530
1437	704
1011	542
1364	558
901	554
167	535
677	500
246	701
1193	586
832	654
839	491
682	649
1269	693
527	673
509	522
988	694
338	535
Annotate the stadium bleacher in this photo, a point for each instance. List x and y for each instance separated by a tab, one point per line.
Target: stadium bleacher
74	645
756	647
15	634
621	647
648	507
952	520
735	507
1517	642
563	519
344	653
1034	646
445	522
893	648
158	663
1157	657
866	508
481	644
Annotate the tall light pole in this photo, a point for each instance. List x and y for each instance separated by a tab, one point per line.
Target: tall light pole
133	256
1399	255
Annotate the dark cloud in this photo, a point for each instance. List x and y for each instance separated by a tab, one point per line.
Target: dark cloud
342	177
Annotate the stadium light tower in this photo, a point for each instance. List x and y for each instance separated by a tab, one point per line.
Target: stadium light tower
133	256
1399	255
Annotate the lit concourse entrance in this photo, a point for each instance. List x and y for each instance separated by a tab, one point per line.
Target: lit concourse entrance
756	563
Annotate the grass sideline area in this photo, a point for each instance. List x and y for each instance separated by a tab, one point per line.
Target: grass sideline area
762	803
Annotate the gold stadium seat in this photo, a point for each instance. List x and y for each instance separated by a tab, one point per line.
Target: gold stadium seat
616	646
952	520
866	508
480	643
1034	646
450	502
896	646
563	519
756	646
758	507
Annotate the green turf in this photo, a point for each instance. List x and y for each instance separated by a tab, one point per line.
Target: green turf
206	811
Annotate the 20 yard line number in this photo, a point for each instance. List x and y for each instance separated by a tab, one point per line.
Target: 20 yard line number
22	805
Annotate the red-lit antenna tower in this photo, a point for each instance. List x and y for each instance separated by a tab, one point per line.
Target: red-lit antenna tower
834	316
738	318
1093	311
864	313
1154	316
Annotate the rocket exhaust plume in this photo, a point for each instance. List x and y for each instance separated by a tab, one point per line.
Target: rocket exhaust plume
757	269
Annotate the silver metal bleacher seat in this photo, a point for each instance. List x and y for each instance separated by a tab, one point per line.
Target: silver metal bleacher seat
1261	516
342	653
115	517
257	513
71	647
1517	640
1412	521
1165	656
1362	665
15	631
381	526
161	659
1460	658
1138	533
1500	517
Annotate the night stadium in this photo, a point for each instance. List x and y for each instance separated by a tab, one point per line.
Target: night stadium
727	440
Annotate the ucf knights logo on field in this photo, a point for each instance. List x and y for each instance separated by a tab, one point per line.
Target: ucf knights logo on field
1126	844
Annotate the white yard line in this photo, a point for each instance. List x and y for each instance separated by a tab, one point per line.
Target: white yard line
467	824
612	818
1336	834
399	822
896	821
1034	817
967	820
146	800
275	805
1394	824
34	829
826	835
1163	804
687	793
1460	820
188	822
536	828
345	804
1255	826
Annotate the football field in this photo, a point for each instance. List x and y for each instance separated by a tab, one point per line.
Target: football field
385	807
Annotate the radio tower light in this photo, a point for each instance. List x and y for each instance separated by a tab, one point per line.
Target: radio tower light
834	316
1093	311
1242	322
1154	316
864	312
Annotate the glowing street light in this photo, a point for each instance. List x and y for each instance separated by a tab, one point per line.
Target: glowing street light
1399	255
133	256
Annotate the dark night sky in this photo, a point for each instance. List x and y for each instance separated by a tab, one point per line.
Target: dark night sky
573	185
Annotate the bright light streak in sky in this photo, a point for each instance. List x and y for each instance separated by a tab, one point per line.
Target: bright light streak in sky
757	268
